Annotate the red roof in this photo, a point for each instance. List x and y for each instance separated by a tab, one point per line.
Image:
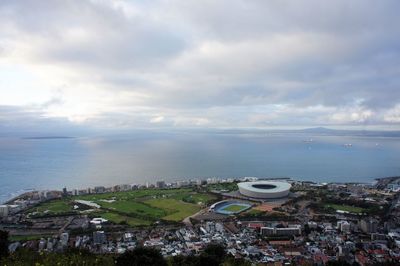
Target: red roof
255	225
361	259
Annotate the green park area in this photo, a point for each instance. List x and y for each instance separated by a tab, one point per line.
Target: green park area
223	187
347	208
54	207
120	218
136	208
176	210
252	212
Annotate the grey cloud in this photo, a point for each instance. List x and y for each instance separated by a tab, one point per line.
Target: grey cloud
92	35
221	63
20	119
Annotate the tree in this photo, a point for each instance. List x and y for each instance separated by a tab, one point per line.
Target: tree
213	255
141	256
3	244
181	260
231	261
338	263
25	256
307	229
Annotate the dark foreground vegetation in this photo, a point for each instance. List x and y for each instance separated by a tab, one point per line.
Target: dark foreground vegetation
213	255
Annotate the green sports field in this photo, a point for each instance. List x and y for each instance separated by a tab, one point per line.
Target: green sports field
235	208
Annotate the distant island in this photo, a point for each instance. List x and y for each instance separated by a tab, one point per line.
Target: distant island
49	137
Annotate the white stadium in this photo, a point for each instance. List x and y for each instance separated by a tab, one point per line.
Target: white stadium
264	189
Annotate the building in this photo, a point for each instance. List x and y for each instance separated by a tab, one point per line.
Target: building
13	208
393	187
160	184
182	183
64	237
4	210
99	237
312	225
99	189
369	225
343	226
98	221
82	192
212	180
293	230
125	187
264	189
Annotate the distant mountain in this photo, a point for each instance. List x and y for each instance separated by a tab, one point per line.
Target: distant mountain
319	130
314	131
342	132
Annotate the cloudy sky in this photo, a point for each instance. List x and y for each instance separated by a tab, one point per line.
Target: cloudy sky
205	64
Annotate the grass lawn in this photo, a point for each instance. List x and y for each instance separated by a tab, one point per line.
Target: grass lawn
134	194
234	208
176	210
194	197
252	211
55	206
223	186
347	208
117	218
133	207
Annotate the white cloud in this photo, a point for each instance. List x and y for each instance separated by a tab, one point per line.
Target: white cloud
393	115
157	119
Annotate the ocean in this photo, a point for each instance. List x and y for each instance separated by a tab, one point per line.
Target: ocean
81	162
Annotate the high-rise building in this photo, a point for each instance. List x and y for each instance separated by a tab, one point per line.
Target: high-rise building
99	189
160	184
4	210
99	237
369	225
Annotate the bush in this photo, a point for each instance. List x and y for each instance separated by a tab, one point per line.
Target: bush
25	256
3	244
141	256
213	255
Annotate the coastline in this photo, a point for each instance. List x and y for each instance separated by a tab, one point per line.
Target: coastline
192	182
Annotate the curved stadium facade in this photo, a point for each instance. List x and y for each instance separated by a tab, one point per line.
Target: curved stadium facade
264	189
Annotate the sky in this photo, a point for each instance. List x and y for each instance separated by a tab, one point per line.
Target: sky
111	64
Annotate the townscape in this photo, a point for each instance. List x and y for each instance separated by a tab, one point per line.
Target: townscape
314	224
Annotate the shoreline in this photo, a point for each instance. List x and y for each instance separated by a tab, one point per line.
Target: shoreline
191	183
